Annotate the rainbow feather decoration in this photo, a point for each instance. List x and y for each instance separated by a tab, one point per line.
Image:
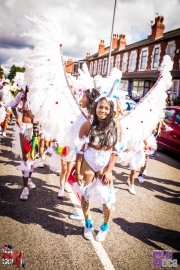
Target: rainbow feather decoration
62	151
35	144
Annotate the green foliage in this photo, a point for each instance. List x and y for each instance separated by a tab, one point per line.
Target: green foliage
13	70
1	72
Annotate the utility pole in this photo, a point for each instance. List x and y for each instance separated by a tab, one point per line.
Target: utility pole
109	59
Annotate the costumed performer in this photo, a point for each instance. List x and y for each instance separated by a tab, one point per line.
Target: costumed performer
94	164
87	102
26	133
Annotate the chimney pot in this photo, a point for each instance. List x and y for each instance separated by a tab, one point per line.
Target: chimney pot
101	47
158	28
122	42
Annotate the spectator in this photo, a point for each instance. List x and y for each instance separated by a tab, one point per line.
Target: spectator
137	98
169	101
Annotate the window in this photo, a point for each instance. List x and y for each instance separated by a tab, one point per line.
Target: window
138	87
156	58
124	63
175	88
95	67
91	68
105	66
170	51
146	87
177	121
111	63
132	61
99	66
76	68
143	60
117	61
168	115
123	85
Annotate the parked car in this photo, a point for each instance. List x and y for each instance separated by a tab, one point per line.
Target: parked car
171	139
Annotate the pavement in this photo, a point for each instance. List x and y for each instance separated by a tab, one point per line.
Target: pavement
42	229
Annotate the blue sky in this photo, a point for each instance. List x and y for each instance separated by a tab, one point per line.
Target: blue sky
85	22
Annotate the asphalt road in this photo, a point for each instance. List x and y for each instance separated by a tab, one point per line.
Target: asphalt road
50	240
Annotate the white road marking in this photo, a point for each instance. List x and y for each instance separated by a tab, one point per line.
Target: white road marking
97	245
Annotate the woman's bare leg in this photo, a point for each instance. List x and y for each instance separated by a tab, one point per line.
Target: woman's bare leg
131	182
6	120
88	175
41	147
68	170
132	176
106	211
26	157
65	171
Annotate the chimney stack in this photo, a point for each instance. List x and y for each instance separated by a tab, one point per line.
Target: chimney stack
87	55
158	28
122	42
69	65
101	47
115	42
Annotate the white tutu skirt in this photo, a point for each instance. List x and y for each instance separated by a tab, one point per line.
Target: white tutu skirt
134	159
96	192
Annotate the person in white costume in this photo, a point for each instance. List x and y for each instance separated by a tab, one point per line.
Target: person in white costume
87	102
95	160
25	125
6	98
51	96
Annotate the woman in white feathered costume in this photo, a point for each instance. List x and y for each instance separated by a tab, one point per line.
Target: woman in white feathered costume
96	157
87	102
52	101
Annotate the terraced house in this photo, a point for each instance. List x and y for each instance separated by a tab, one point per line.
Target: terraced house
139	61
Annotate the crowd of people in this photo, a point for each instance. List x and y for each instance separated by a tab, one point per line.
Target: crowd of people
98	148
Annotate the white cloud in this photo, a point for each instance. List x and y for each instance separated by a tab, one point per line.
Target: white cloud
9	57
85	22
10	3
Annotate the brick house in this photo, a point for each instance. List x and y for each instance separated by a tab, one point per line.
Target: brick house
139	61
71	66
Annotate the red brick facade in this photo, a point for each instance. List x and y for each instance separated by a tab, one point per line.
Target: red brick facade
139	61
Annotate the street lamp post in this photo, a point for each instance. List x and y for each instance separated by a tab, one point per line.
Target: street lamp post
109	59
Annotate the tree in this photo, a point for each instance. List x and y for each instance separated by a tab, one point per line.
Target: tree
1	72
13	70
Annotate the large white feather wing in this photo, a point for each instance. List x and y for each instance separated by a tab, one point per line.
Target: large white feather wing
138	125
50	95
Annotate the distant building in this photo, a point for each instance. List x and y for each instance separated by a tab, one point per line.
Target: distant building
139	61
72	66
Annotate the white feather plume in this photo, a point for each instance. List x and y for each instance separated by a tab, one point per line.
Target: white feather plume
50	97
138	125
